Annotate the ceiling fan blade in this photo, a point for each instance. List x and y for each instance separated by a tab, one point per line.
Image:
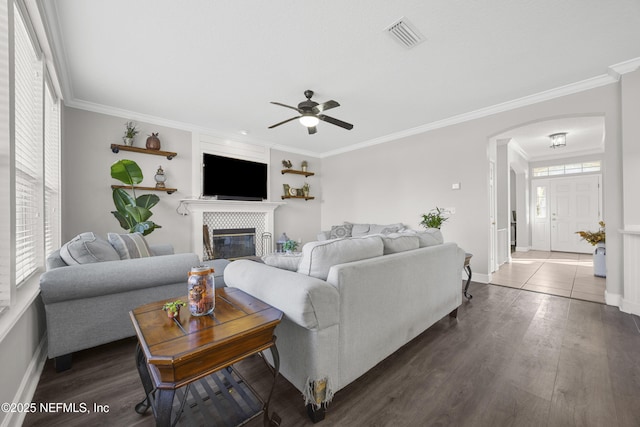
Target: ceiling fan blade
336	122
312	130
287	106
324	106
283	122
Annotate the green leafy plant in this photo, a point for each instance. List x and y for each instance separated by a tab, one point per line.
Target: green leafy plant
132	212
434	218
290	245
130	130
594	237
173	307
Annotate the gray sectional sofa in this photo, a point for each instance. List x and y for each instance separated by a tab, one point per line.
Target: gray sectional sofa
352	302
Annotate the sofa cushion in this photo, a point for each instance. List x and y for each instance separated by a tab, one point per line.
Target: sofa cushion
430	237
338	231
87	248
284	261
319	257
394	243
129	246
360	229
385	229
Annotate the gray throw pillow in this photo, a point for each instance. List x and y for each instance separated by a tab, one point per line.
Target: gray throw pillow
339	231
87	248
129	246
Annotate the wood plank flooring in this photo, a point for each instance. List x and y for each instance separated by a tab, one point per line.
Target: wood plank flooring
512	358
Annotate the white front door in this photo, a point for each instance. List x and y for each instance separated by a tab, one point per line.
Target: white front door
562	206
574	206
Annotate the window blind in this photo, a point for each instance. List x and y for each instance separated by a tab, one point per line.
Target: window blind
51	170
28	81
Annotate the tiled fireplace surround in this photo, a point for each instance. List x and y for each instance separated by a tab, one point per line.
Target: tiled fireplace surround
230	214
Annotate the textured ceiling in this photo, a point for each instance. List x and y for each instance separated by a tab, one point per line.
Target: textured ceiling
216	65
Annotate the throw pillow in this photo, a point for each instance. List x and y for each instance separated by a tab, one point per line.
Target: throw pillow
319	257
385	229
394	243
284	261
430	237
128	246
87	248
359	229
339	231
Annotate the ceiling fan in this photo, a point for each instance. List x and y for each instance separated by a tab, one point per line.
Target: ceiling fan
311	113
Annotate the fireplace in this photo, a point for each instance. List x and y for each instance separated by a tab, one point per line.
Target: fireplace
232	243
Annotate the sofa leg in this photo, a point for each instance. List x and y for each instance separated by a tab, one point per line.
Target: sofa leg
62	363
454	313
316	414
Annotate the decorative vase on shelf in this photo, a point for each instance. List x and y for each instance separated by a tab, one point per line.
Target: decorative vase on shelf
599	260
153	142
127	141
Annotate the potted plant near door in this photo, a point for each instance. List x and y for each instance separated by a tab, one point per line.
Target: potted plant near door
434	218
597	239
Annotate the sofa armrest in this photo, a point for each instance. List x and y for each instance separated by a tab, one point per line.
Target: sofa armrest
323	235
111	277
311	303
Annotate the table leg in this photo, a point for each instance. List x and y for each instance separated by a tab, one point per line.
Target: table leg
143	371
164	403
466	287
276	370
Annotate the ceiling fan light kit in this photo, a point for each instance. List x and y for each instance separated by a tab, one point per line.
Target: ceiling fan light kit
311	114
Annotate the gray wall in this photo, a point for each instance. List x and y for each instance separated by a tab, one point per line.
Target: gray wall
400	180
86	178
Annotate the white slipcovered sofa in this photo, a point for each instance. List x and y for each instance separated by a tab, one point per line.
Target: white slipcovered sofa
353	302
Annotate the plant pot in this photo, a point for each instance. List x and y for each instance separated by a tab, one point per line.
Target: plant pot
599	261
171	314
127	141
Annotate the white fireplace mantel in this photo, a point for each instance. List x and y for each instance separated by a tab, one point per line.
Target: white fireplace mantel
198	207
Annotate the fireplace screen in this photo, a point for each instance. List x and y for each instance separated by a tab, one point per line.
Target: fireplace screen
233	243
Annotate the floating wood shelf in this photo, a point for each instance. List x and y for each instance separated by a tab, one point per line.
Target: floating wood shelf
297	172
128	187
298	197
168	154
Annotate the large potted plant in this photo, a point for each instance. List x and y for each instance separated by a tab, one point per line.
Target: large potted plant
132	212
597	239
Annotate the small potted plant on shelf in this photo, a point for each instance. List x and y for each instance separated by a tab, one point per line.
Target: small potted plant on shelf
304	165
173	308
130	133
434	218
290	246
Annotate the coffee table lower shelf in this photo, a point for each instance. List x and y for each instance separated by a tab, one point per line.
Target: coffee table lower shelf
223	398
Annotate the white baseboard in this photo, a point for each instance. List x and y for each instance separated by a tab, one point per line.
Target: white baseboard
523	248
632	307
28	384
612	299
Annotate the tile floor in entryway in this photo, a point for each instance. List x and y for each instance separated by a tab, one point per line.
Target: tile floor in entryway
556	273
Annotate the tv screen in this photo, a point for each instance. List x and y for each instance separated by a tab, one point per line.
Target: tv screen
233	179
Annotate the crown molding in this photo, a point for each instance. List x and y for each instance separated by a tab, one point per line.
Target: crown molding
547	95
624	67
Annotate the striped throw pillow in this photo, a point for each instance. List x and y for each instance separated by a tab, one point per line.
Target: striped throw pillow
128	246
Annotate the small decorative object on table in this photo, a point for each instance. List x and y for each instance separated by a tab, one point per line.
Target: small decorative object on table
153	142
434	218
160	177
173	308
304	165
598	239
201	291
130	133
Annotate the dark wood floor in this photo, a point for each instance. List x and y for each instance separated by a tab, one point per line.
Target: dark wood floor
512	358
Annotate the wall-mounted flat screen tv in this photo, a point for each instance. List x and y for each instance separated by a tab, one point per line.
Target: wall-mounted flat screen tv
233	179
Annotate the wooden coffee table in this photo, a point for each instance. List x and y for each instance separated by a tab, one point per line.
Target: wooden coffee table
197	353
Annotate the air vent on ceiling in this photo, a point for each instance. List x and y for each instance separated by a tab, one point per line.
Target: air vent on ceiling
405	33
